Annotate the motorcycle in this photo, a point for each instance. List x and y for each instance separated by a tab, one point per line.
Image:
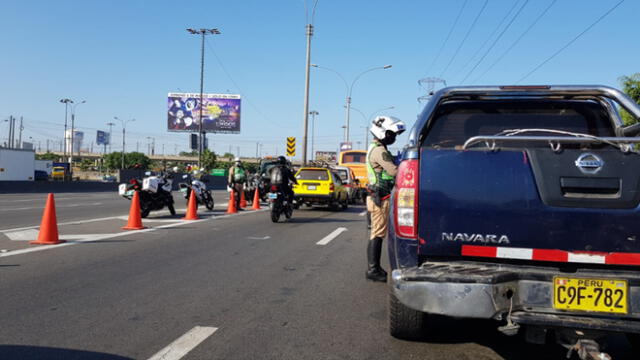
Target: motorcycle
155	193
279	204
203	195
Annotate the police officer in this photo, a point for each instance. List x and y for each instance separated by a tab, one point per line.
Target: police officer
237	178
381	171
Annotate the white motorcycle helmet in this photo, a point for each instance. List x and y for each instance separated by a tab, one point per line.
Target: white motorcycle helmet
386	128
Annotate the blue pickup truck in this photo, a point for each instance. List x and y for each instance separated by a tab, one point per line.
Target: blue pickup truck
520	204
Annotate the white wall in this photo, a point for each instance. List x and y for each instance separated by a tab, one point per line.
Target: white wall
17	164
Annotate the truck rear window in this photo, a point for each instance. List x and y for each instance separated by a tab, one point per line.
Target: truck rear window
457	121
354	157
313	175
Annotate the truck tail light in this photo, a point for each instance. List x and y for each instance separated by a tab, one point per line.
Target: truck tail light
406	199
331	187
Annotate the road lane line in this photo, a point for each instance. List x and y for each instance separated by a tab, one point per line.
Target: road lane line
64	223
115	235
327	239
363	213
185	343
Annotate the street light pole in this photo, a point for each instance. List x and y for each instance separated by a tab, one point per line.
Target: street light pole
110	125
349	91
73	118
202	32
124	125
309	33
346	130
66	107
313	114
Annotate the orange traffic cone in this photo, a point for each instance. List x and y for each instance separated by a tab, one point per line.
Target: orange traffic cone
192	209
256	200
231	209
135	219
243	201
48	234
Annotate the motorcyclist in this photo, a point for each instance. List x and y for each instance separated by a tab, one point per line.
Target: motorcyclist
282	176
236	180
381	171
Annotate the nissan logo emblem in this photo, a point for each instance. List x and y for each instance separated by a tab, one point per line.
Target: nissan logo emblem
589	163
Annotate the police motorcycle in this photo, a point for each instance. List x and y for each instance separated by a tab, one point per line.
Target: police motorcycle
197	184
278	202
155	193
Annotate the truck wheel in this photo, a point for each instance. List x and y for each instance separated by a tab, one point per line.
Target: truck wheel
405	323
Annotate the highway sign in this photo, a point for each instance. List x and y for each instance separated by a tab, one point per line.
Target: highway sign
291	146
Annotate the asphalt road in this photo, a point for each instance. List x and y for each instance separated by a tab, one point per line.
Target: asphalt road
243	286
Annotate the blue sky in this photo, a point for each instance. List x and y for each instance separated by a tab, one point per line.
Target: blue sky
123	57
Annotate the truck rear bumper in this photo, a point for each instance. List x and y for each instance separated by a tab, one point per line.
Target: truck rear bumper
485	290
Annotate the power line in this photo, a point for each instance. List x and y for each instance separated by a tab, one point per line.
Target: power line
506	16
570	42
224	69
518	39
444	43
496	40
473	24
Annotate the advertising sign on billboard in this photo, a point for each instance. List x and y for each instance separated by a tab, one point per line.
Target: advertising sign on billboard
328	156
220	112
102	138
345	146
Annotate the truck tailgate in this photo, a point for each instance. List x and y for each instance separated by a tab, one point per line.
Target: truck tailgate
528	199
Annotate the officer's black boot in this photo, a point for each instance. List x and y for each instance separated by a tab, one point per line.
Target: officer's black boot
375	272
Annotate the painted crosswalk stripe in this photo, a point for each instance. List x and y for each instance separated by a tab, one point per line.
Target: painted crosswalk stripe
363	213
327	239
185	343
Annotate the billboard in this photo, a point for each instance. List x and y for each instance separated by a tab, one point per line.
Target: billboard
328	156
344	146
102	138
220	112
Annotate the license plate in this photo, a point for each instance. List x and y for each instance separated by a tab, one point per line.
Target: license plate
311	187
273	196
183	190
129	193
601	295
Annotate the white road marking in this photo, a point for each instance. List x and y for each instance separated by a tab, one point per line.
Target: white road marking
99	237
327	239
65	223
185	343
363	213
259	238
22	235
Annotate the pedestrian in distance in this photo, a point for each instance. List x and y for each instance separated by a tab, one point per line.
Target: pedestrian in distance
236	180
381	171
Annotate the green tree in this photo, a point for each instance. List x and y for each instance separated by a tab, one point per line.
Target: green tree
209	159
228	155
631	86
86	164
113	160
47	156
191	153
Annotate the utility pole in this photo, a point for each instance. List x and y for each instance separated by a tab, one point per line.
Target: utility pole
110	125
309	33
430	83
202	32
10	140
20	134
66	107
313	114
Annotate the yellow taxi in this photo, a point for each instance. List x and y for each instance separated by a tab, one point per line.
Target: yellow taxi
57	172
320	186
